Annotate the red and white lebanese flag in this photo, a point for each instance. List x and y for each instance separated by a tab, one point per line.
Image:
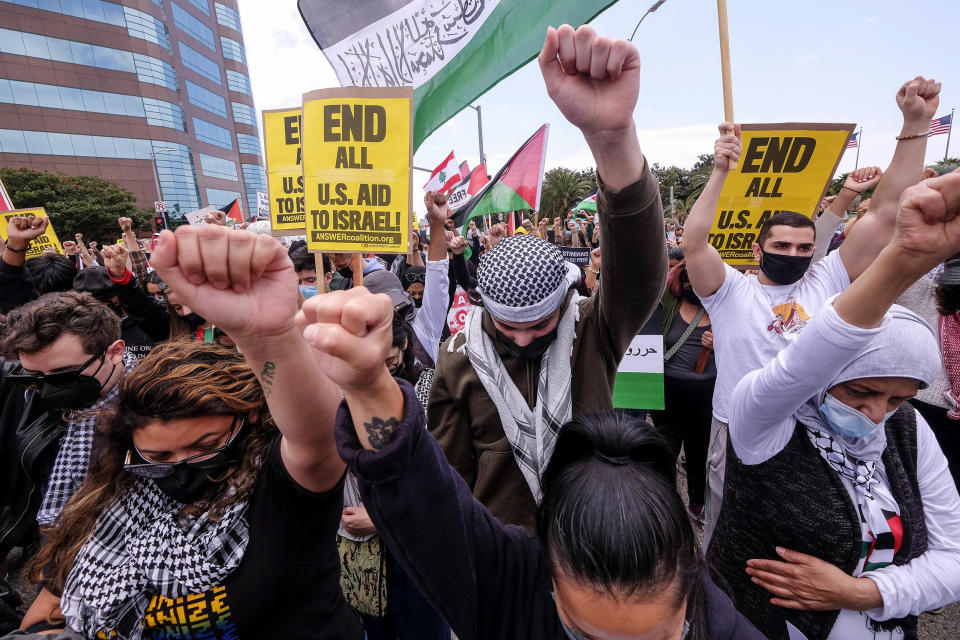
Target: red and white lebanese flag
6	204
445	176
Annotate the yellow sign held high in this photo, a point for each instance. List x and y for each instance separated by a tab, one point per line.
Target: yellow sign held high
39	245
357	151
281	141
783	167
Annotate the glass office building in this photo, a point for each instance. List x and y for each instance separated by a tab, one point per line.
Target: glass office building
142	92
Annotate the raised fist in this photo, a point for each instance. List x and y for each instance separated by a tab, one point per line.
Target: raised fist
216	217
115	260
437	210
919	99
126	224
863	178
928	225
22	230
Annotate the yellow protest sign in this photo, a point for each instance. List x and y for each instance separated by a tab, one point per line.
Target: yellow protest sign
357	151
39	245
281	141
783	167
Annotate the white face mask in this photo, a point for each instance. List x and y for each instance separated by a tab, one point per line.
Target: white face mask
847	421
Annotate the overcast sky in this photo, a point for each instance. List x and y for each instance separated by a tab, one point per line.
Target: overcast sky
810	61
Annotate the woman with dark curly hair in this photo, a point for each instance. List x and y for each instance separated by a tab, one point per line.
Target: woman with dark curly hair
214	492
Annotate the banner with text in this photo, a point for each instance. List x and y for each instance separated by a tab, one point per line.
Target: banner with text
357	154
39	245
579	256
783	167
639	382
281	142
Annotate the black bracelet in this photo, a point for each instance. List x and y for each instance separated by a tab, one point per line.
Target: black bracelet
9	248
854	190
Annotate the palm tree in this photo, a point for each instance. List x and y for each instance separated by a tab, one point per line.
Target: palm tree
562	189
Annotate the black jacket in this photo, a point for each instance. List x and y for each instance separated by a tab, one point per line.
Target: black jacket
29	441
487	579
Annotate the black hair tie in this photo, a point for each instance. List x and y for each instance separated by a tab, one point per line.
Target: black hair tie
617	461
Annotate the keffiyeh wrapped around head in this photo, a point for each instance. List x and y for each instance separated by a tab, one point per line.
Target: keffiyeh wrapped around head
524	279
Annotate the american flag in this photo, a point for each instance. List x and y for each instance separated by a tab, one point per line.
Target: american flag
853	141
941	125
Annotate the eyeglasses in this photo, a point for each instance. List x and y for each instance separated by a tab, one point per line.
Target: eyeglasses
21	377
154	470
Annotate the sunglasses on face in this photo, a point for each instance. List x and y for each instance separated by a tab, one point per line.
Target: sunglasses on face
154	470
23	378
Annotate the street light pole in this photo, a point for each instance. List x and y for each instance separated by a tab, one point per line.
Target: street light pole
483	158
656	5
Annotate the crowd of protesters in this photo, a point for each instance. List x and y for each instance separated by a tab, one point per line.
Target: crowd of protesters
226	437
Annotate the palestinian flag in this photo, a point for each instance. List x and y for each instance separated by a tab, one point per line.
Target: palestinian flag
516	186
449	52
589	203
233	210
639	382
478	178
464	170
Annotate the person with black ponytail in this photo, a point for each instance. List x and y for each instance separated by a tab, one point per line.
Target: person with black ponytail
615	555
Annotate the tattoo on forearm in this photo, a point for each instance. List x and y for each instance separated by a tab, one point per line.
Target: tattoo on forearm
380	432
266	378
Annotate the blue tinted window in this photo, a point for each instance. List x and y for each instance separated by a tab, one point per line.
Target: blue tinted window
164	114
255	179
188	24
37	142
206	99
178	178
203	5
71	98
227	16
6	91
214	167
199	63
147	68
232	50
146	27
244	113
11	141
248	144
61	144
24	93
221	197
212	134
238	82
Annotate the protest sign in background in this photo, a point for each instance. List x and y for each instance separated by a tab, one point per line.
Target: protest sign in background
281	142
579	256
38	246
783	167
357	155
639	383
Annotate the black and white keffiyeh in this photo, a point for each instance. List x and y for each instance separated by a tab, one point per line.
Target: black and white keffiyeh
141	548
73	458
524	279
532	434
876	505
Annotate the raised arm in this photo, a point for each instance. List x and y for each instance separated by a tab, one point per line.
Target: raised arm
927	233
245	284
16	285
704	264
595	82
918	99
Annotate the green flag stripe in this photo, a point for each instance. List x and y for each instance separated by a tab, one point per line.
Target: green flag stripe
638	391
510	37
499	199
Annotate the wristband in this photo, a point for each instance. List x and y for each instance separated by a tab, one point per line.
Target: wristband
916	135
9	248
854	190
595	272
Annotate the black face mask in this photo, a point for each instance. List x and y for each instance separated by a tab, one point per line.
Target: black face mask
532	351
194	319
418	302
784	269
66	390
691	296
192	482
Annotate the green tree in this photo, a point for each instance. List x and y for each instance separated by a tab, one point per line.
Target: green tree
562	189
76	204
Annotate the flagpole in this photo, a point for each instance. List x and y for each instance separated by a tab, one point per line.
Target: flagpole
859	142
949	131
725	60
